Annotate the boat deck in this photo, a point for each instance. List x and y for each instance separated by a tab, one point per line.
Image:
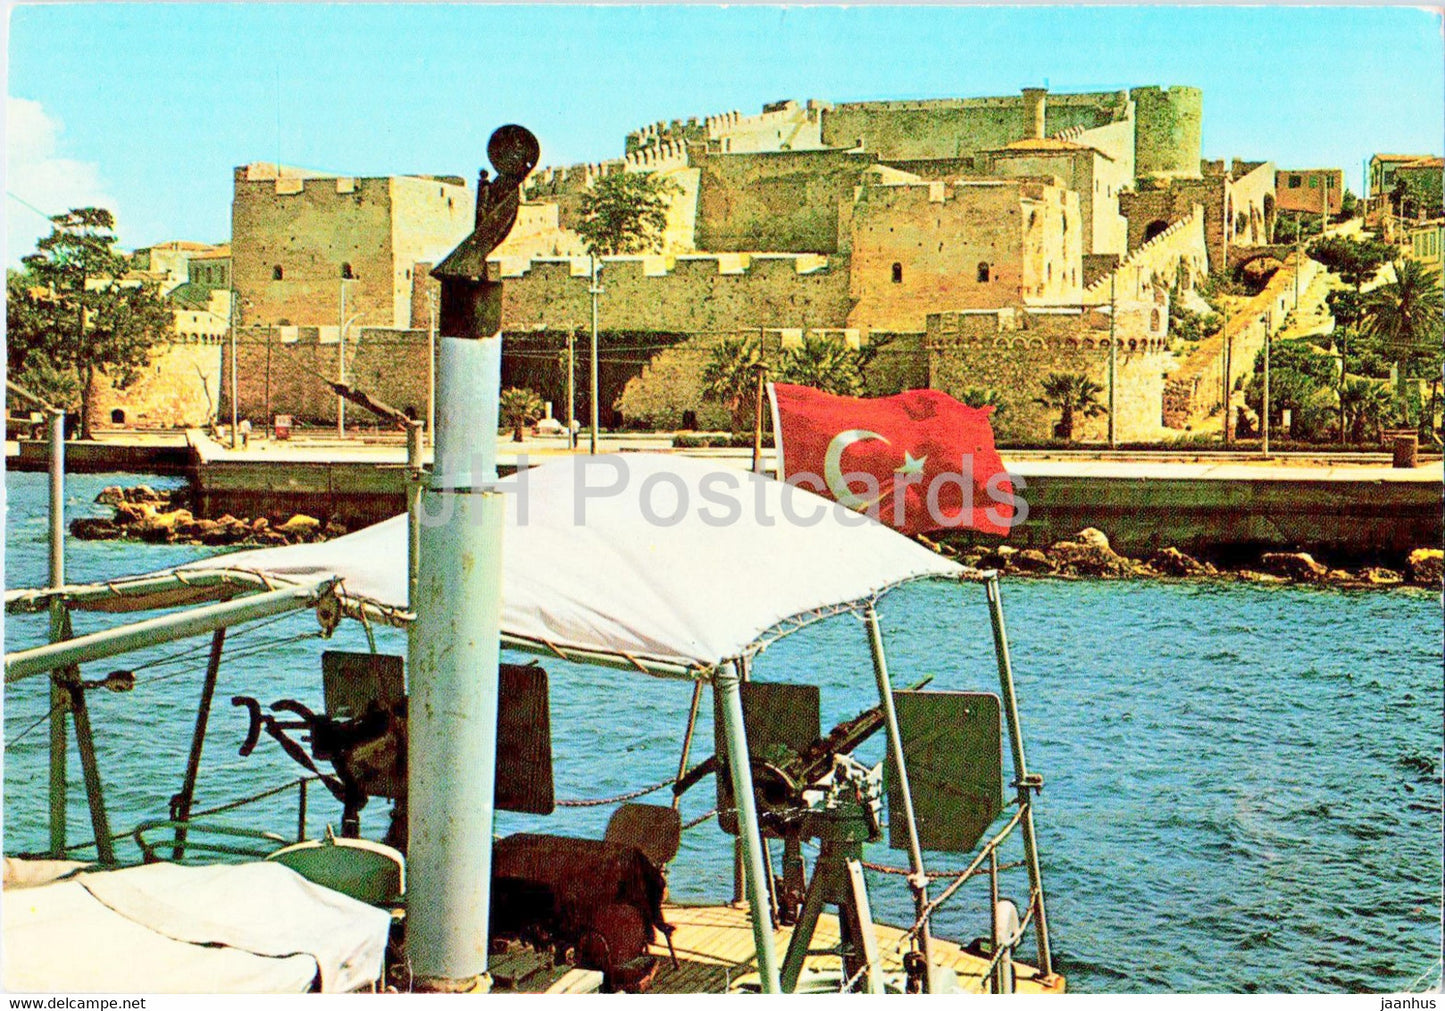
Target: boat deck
715	954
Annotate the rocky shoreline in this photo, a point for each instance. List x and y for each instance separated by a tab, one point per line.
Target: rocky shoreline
1088	555
144	514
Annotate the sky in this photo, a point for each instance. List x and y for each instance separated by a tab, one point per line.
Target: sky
146	108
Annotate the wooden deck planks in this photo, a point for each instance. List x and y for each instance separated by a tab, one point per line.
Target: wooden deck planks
714	946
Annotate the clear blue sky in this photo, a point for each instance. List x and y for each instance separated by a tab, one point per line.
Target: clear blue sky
151	106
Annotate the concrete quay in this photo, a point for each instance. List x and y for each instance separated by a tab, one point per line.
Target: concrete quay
1349	507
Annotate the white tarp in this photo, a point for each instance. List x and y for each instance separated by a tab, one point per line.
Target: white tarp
657	557
164	928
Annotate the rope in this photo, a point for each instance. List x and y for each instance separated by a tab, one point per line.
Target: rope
620	798
904	872
957	883
694	823
1012	942
1430	970
21	736
233	804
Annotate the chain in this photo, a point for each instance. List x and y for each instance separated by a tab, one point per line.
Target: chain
620	798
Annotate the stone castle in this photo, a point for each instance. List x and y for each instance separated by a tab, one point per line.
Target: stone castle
913	226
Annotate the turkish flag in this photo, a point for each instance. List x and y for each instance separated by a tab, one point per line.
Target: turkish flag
916	461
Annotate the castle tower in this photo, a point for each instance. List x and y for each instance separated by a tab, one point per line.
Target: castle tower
1034	109
1167	125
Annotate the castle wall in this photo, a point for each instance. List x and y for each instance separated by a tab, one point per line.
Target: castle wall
312	227
1013	353
309	228
1089	175
951	128
180	387
287	368
679	295
429	218
917	247
1158	262
784	202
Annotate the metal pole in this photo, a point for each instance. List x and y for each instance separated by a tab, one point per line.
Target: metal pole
181	806
431	372
727	681
235	436
1264	414
270	420
1228	373
59	700
454	653
687	738
758	420
595	291
341	363
110	642
1113	357
1022	782
917	882
572	388
415	479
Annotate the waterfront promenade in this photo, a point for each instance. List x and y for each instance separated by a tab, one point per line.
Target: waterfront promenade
1351	506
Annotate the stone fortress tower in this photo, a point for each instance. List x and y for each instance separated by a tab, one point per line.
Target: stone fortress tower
1167	125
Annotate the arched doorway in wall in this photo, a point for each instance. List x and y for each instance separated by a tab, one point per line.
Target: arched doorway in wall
1154	229
117	417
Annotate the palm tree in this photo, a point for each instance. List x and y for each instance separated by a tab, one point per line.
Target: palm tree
824	363
520	408
731	375
1071	394
1366	402
1404	318
977	396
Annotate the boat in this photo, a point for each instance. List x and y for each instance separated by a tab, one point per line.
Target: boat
579	560
624	594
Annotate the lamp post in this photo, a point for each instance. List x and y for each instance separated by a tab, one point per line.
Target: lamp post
341	357
594	290
1264	412
232	314
1113	356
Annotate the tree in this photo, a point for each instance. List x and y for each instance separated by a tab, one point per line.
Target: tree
731	375
824	363
1071	394
76	313
519	408
976	396
1404	319
625	212
1366	403
1355	263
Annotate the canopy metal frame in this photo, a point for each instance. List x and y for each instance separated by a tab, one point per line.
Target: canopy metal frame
240	596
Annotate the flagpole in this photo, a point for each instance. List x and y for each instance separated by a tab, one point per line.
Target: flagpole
759	369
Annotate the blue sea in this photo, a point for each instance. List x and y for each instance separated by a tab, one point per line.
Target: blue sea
1243	784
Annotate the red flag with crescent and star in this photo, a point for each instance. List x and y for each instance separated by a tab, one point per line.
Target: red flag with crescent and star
917	461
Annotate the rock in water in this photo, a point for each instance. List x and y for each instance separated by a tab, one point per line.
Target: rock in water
1173	562
111	495
1426	566
1381	577
94	528
1032	560
1090	556
1293	565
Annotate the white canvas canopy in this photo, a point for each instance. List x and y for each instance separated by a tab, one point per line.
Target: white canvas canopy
655	558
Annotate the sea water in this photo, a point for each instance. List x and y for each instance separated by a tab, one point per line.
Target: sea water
1242	784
